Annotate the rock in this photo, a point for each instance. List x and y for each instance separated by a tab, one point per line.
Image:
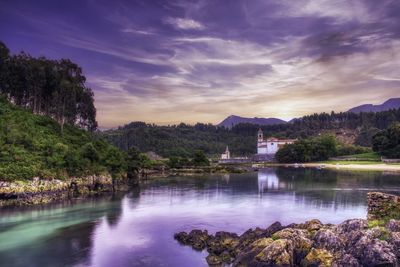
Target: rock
226	257
318	257
345	260
213	260
261	243
301	244
222	241
373	252
273	228
328	239
350	243
278	253
248	254
393	225
351	238
313	225
352	225
182	237
196	238
394	240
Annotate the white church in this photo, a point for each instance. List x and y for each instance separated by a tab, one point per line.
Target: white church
271	145
266	149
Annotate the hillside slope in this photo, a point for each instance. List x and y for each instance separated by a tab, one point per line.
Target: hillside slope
34	146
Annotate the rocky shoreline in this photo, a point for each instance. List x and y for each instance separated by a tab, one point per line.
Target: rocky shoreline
39	191
353	243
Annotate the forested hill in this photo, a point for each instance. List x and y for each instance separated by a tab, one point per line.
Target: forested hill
46	111
49	87
182	139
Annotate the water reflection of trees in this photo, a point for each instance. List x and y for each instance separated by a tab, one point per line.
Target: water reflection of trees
325	187
317	187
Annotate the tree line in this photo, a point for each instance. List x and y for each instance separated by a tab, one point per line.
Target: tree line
55	88
182	140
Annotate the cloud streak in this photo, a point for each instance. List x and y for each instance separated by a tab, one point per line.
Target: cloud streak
202	60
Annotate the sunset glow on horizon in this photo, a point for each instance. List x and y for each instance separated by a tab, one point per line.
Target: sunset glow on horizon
167	62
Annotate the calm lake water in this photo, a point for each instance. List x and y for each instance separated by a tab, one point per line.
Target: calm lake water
137	229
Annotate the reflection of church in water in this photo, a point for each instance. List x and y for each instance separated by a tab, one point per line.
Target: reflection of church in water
269	181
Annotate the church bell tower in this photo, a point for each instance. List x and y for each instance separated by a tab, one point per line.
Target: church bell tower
260	136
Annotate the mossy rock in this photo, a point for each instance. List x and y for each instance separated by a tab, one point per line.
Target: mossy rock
262	243
278	253
318	257
214	260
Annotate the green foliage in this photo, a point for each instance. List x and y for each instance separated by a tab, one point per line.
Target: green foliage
364	138
200	159
33	146
178	162
387	142
357	151
52	87
181	140
306	150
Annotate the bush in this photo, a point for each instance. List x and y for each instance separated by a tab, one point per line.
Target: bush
345	150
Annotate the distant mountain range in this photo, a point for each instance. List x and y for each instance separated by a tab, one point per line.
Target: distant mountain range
233	120
229	122
392	103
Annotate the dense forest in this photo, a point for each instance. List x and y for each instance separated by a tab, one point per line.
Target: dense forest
182	140
55	88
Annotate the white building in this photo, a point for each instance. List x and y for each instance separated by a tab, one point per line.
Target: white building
271	145
226	154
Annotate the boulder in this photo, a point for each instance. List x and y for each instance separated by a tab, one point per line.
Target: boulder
197	239
394	240
328	239
279	253
352	225
214	260
301	244
318	257
393	225
347	260
373	252
248	254
222	241
273	228
313	225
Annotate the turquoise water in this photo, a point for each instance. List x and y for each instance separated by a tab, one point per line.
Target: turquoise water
136	229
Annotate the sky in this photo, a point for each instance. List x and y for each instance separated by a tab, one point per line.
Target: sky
167	62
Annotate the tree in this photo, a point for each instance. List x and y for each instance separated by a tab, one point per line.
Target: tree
51	87
306	150
115	164
200	159
387	142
